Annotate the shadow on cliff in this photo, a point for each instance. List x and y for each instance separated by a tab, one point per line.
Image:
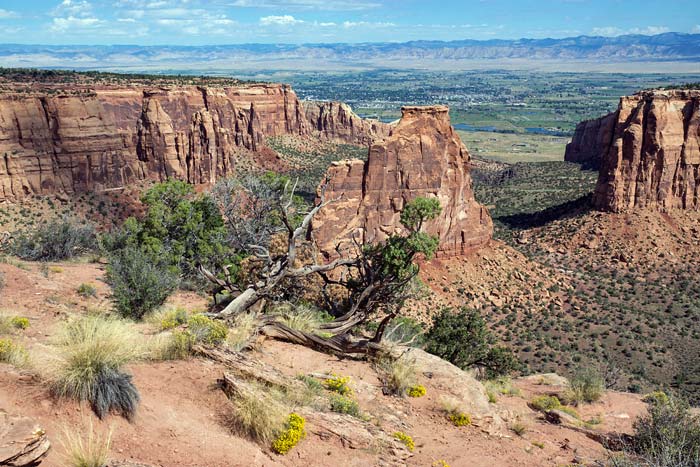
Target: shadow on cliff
568	210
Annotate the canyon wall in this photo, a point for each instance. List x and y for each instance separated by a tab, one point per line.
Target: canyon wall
90	139
591	139
649	152
422	156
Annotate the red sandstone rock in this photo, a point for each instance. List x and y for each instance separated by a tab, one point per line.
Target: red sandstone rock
422	156
110	136
336	120
652	155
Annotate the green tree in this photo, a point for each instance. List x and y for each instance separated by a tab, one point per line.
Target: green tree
463	339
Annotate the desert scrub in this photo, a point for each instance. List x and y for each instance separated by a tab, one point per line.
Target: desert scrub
440	463
139	284
206	330
300	317
19	322
166	319
86	364
587	385
454	413
345	405
86	290
460	419
399	375
243	331
90	450
545	403
656	398
176	345
257	416
56	240
417	391
406	440
518	428
502	385
339	384
12	353
538	444
291	436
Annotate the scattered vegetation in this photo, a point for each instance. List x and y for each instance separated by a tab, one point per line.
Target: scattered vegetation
454	413
58	239
518	428
243	331
206	330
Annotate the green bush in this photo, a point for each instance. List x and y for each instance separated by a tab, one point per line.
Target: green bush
667	436
463	339
139	285
586	385
345	405
545	403
19	322
58	239
87	290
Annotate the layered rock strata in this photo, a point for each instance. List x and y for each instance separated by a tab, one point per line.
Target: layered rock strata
422	156
649	151
91	139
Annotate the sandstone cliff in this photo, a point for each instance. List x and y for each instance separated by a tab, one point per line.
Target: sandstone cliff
336	120
93	138
649	152
422	156
590	140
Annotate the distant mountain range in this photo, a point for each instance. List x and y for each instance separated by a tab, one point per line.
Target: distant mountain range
669	47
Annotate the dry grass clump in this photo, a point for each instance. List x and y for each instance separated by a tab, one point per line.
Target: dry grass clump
85	363
91	450
399	375
13	353
300	317
10	323
256	416
243	331
454	413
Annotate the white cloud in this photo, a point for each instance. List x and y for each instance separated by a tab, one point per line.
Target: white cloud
77	8
696	29
284	20
612	31
8	14
328	5
357	24
73	23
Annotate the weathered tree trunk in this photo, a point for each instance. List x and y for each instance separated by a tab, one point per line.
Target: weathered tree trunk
241	303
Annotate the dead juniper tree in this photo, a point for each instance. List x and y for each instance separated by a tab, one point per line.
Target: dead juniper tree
375	279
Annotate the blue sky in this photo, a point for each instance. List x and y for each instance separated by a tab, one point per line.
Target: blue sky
201	22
